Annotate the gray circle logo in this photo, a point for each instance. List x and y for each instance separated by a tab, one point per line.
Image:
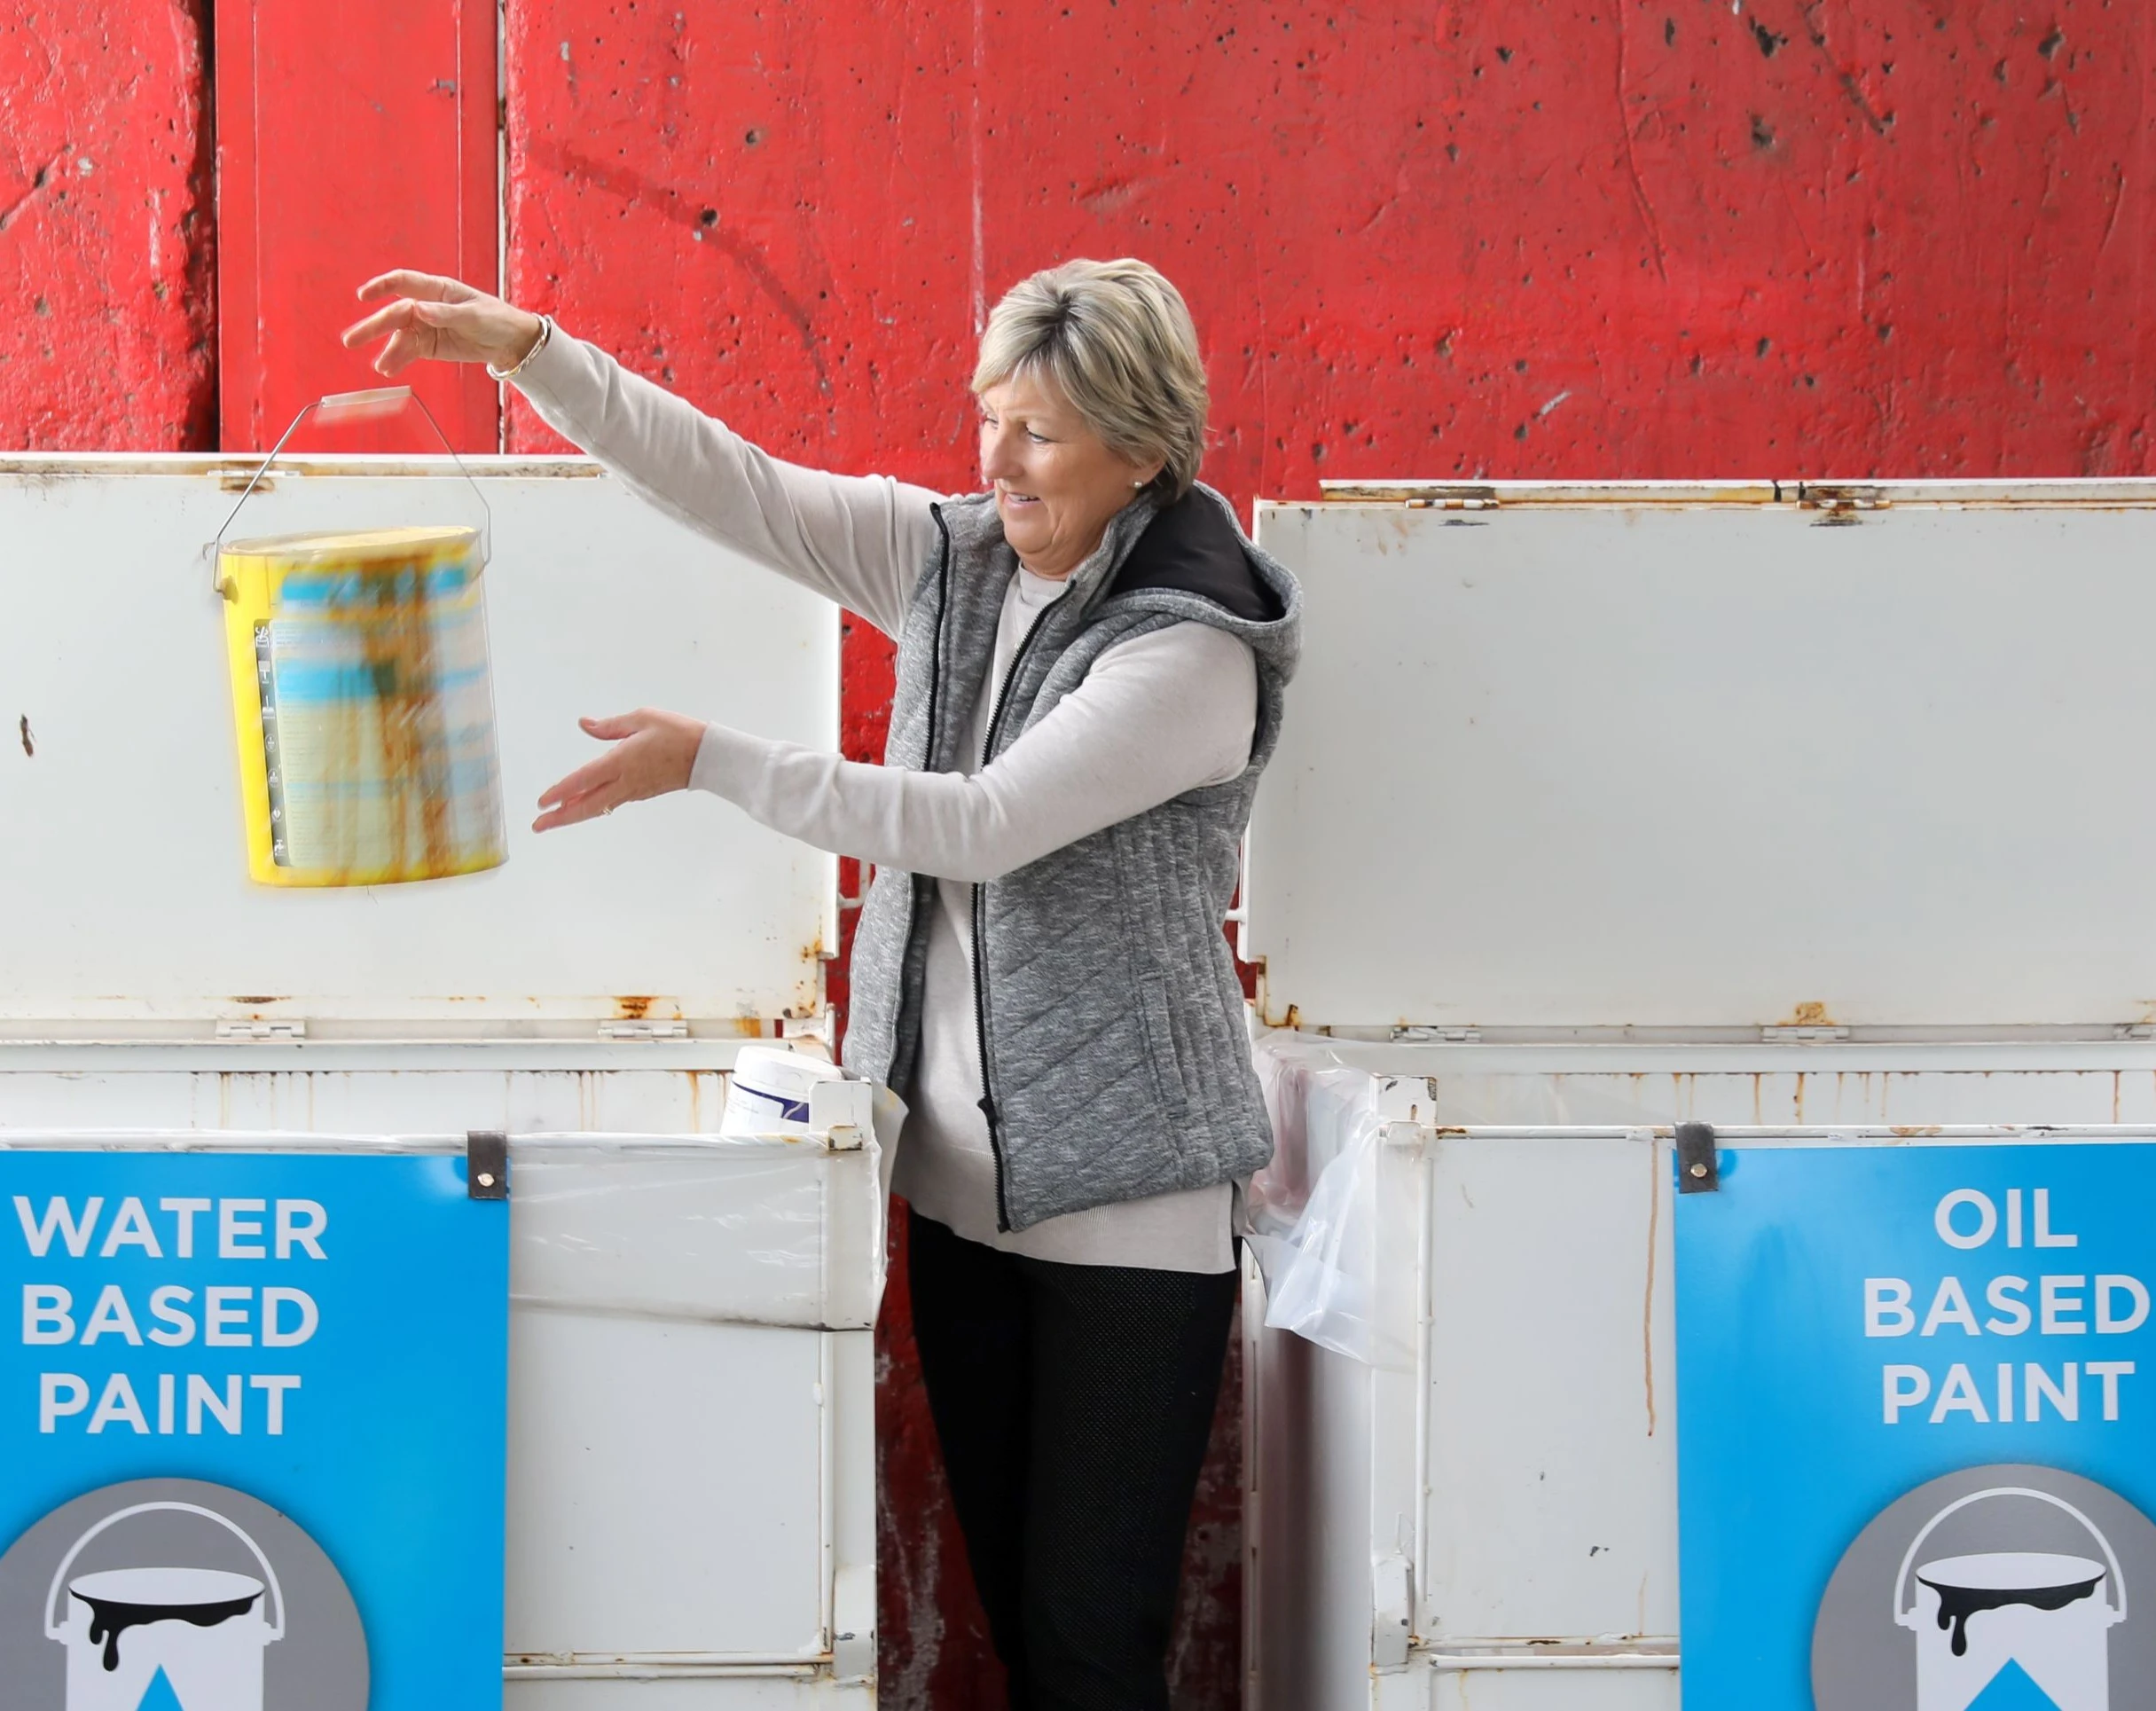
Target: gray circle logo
175	1595
2013	1588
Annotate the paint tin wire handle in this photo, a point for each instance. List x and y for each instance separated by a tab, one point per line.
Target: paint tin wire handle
353	406
54	1630
1908	1618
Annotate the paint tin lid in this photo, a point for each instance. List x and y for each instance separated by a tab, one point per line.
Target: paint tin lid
362	545
168	1588
2011	1571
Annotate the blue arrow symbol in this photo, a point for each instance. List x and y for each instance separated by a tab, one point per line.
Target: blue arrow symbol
158	1695
2012	1690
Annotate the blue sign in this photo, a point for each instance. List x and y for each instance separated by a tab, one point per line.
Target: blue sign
1917	1395
252	1410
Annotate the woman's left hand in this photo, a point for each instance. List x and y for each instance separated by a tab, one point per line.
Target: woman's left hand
653	752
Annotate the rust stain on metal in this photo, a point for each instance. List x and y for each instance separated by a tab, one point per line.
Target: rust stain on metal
1294	1018
1810	1014
29	746
1916	1131
252	999
633	1007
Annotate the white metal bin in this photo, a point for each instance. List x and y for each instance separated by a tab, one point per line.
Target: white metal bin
690	1465
1601	809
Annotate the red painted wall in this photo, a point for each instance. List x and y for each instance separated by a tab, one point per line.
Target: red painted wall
1554	236
349	141
107	303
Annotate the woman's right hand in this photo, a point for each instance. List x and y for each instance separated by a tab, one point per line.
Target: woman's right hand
433	316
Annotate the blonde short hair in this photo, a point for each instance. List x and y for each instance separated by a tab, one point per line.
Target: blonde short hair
1117	341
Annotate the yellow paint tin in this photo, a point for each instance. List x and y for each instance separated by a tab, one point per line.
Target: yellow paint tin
363	697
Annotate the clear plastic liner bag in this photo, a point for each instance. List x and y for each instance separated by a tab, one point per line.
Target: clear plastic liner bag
1311	1213
1321	1275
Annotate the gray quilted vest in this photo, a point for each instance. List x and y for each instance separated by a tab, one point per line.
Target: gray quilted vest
1117	1059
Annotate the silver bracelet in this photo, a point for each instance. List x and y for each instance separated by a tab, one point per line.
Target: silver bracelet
547	332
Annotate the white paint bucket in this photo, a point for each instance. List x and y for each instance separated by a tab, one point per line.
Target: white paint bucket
1974	1615
768	1091
205	1629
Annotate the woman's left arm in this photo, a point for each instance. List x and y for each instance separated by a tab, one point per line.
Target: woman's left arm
1157	716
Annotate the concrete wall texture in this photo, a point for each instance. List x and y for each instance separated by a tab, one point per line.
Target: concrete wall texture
1580	238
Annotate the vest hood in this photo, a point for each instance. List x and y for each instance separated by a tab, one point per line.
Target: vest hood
1189	560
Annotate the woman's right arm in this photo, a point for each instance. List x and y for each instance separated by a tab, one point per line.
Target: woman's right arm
857	539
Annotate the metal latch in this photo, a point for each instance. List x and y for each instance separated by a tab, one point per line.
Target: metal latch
1841	501
620	1030
1804	1033
262	1031
486	1164
1698	1169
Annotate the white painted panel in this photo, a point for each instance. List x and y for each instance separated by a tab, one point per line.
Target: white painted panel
1909	1084
522	1087
663	1488
1552	1466
123	863
1669	765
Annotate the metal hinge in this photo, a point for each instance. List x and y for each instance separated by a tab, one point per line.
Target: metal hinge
620	1030
1455	499
1841	501
262	1031
1801	1034
2134	1031
1449	1036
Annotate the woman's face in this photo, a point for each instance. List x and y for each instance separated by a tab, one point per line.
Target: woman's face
1057	483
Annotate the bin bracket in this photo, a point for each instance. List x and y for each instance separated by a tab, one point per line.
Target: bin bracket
486	1163
1698	1170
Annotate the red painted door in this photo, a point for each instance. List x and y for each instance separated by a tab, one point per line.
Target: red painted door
349	141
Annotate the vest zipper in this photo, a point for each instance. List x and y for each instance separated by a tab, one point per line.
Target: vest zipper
980	932
935	648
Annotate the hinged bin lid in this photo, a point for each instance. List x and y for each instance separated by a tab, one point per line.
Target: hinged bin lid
1687	758
124	867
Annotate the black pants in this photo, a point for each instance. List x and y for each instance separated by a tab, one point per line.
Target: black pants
1073	1403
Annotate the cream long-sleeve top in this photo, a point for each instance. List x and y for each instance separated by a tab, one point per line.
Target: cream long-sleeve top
1157	716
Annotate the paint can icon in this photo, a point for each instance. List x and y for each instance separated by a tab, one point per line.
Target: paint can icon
203	1630
1979	1617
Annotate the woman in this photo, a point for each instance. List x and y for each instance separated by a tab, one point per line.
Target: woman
1091	661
